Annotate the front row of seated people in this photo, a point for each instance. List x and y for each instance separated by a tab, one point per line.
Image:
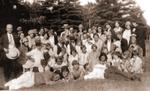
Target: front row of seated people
38	70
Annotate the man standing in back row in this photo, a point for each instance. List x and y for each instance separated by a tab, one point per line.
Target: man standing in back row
9	44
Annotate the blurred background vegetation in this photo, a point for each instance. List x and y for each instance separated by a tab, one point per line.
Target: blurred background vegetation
54	13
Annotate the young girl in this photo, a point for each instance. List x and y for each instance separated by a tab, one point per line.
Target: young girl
103	59
78	47
73	56
116	61
109	55
65	73
59	63
83	56
136	65
117	27
126	66
99	69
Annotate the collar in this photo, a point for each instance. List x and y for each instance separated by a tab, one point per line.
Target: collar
9	33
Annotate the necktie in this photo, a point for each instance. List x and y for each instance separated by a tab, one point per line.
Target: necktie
11	39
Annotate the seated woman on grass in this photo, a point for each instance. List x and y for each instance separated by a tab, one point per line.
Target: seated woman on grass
136	66
133	72
34	78
99	69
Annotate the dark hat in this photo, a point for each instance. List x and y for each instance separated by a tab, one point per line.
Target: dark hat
75	62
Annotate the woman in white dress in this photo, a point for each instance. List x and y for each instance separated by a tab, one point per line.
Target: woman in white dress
127	32
73	56
98	70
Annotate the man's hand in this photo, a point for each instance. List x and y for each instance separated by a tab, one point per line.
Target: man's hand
6	50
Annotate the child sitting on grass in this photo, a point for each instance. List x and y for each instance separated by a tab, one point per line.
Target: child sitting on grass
116	61
77	72
99	69
136	66
65	74
59	63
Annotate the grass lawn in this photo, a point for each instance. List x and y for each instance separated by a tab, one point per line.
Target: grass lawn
99	85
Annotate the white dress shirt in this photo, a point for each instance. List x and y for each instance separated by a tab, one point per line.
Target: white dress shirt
109	45
127	35
11	40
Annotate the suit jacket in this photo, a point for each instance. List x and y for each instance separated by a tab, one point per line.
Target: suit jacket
4	42
124	45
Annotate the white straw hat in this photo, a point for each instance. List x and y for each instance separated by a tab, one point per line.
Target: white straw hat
13	53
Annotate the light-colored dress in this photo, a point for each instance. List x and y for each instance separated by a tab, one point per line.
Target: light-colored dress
97	73
26	80
136	64
83	59
37	56
71	58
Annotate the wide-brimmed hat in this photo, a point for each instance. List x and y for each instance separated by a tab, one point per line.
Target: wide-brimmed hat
32	31
19	28
65	26
13	53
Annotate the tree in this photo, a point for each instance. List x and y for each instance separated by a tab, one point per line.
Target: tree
11	12
116	10
56	13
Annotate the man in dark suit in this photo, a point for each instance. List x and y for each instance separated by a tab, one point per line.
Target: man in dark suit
140	35
8	41
124	43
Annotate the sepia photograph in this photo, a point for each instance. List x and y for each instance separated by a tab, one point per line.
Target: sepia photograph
75	45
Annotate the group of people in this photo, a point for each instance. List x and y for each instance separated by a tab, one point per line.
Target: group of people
45	57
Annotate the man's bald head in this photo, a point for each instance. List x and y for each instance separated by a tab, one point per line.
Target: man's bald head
9	28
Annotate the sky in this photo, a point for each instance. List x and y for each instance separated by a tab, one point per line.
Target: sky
84	2
145	6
